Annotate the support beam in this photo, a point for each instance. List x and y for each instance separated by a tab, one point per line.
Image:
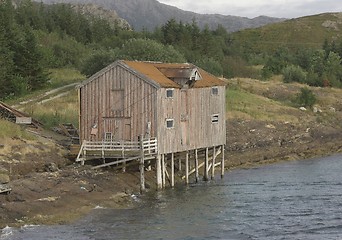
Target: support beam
187	168
213	164
222	162
218	152
172	170
196	165
206	163
180	165
141	167
163	171
159	171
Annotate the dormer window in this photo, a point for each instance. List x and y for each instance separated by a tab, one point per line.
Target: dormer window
169	93
195	75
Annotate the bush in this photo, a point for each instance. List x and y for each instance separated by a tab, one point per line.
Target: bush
306	98
97	61
294	74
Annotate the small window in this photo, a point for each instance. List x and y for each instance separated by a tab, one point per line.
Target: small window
214	90
169	93
108	136
214	118
169	123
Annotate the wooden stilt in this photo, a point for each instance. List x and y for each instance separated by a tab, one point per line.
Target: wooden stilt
213	164
206	167
163	171
222	162
141	167
172	170
196	165
187	168
159	170
180	165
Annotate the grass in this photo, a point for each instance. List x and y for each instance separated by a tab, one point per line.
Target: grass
60	110
246	105
12	130
53	109
64	76
293	34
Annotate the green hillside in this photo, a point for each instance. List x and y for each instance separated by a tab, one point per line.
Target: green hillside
304	32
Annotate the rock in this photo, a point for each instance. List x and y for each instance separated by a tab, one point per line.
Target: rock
332	109
302	108
4	178
271	126
51	167
3	170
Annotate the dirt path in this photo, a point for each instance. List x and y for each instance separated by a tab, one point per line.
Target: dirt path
47	96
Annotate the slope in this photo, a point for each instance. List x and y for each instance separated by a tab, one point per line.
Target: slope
309	31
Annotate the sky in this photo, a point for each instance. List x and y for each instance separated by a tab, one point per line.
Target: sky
255	8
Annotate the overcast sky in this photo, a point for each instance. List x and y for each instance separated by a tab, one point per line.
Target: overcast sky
254	8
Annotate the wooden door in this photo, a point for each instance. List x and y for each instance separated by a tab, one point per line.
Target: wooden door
120	128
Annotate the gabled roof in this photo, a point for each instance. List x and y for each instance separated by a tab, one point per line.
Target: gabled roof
161	74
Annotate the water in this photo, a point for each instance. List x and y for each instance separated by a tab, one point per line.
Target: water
292	200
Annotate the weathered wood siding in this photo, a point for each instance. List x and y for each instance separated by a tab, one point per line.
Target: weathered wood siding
192	110
119	102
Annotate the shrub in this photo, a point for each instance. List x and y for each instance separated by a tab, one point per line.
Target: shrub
306	98
294	74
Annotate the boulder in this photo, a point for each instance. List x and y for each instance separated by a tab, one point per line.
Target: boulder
4	178
51	167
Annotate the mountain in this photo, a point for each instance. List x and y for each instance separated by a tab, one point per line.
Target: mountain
148	14
110	15
304	32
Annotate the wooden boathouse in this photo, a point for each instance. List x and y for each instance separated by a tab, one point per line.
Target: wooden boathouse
139	111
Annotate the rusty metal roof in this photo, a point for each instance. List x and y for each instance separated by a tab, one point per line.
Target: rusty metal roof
163	73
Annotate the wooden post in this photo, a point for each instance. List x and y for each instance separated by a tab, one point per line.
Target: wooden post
213	165
163	171
196	165
159	170
206	167
187	167
222	162
142	166
180	165
172	170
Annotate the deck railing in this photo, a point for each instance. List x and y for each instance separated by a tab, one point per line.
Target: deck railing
117	149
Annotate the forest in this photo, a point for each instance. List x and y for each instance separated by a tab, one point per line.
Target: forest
35	38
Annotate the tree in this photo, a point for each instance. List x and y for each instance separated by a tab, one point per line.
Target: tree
306	97
294	74
149	50
97	61
210	65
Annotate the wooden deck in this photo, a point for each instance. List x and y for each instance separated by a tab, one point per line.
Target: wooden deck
120	151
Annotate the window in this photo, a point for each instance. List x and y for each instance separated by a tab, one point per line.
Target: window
108	136
169	93
169	123
214	91
214	118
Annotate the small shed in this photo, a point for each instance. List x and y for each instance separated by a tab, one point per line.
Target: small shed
180	105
